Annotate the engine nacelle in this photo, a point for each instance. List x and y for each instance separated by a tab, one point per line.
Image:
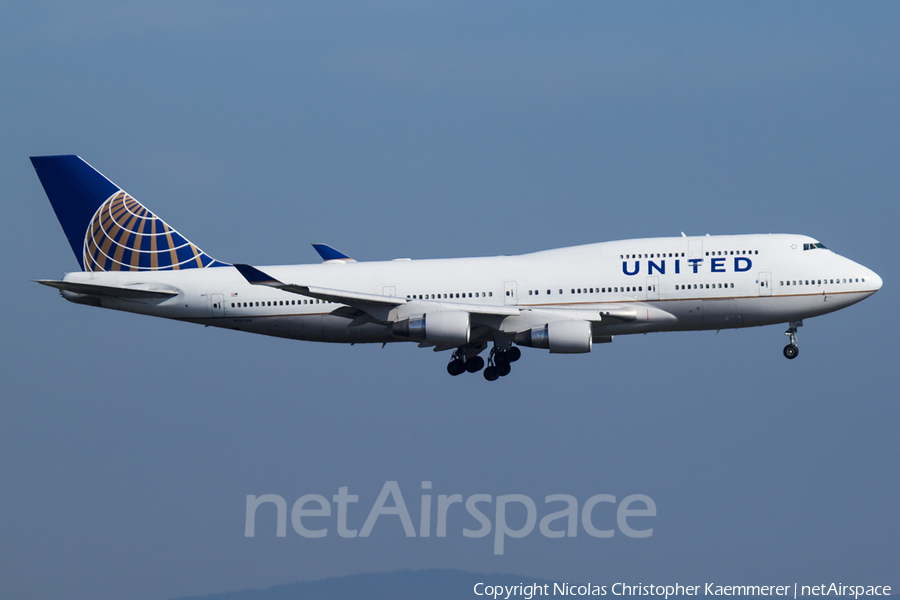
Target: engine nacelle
560	337
444	328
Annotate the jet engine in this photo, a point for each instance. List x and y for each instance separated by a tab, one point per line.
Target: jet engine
560	337
443	328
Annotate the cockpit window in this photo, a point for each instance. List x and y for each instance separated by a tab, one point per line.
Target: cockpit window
814	246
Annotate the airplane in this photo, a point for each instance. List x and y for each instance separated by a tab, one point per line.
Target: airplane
562	300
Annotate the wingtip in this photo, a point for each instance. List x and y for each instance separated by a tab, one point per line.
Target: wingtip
254	276
329	253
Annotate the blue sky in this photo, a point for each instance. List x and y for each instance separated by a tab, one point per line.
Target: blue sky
128	445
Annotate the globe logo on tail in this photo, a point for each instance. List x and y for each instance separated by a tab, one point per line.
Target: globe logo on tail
125	236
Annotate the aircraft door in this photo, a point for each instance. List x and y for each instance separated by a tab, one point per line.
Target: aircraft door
653	288
510	297
695	248
217	305
765	284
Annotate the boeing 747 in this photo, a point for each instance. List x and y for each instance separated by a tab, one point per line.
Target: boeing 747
563	300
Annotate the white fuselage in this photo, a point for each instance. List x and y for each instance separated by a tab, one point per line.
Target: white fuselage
675	284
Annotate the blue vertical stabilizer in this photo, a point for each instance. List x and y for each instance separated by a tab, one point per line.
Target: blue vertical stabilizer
76	190
108	229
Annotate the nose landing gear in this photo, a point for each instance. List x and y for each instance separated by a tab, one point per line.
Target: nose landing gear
791	350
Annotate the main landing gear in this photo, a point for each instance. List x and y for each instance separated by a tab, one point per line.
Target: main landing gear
791	350
465	358
458	365
497	364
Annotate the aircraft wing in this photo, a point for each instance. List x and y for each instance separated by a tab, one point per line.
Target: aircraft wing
364	308
374	304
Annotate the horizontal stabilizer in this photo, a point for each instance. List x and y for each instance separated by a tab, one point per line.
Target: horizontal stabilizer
328	253
134	291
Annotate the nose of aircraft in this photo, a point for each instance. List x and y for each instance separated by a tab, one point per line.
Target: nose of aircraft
876	281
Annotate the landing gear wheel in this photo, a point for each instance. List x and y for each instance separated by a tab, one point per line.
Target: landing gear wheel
791	350
474	364
504	369
514	354
456	367
491	373
501	358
